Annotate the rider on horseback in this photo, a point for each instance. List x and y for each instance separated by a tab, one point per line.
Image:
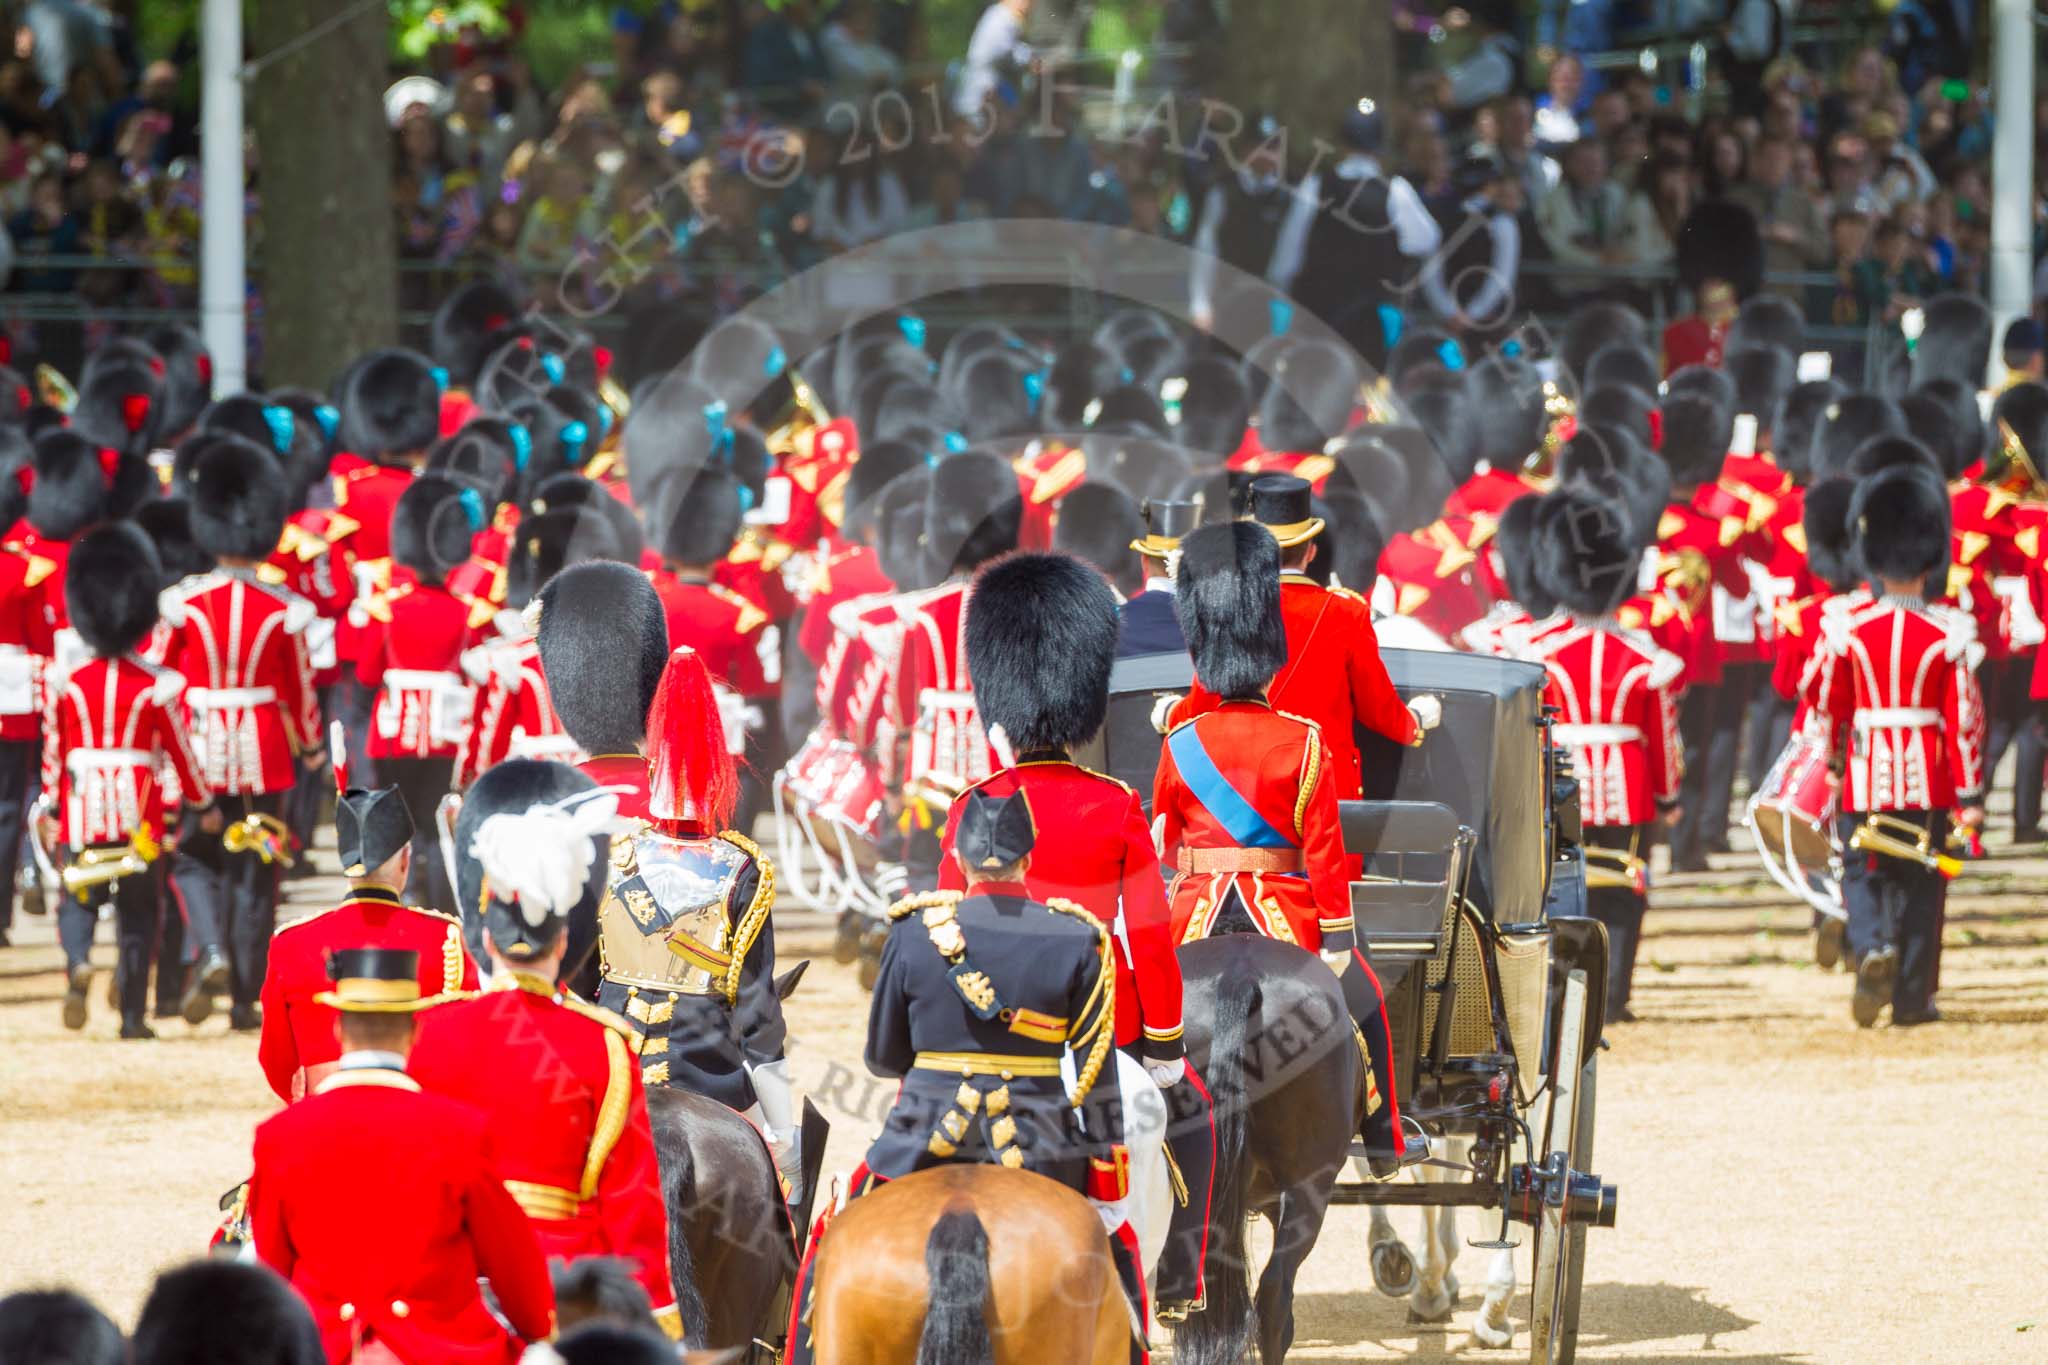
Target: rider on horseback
687	949
1245	803
1041	640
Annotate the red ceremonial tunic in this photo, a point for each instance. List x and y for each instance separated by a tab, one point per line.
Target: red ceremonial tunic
622	770
25	638
1433	574
113	725
514	717
299	1046
754	571
1095	849
1617	701
935	696
307	564
367	494
1896	687
557	1080
1046	472
1488	494
1333	676
412	640
739	646
845	572
1292	874
381	1205
239	643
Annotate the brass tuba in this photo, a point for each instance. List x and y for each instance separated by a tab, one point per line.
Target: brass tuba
101	866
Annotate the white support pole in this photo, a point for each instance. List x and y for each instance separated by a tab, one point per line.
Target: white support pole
2012	168
222	262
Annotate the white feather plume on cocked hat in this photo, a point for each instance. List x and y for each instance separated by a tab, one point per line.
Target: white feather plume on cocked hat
538	859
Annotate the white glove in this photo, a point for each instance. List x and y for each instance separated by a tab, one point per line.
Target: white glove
1166	1074
1114	1213
1336	962
1427	710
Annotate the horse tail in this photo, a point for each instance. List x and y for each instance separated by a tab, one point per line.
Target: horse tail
678	1192
956	1317
1221	1334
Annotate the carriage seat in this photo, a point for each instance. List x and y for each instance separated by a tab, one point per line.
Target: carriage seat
1411	852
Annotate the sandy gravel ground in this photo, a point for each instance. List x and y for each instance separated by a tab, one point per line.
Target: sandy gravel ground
1792	1190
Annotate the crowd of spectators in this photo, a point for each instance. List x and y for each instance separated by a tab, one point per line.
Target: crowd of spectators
723	144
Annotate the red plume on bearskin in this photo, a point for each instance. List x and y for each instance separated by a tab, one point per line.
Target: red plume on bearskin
134	410
691	775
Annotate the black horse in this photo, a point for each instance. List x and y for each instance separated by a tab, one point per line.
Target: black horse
1268	1032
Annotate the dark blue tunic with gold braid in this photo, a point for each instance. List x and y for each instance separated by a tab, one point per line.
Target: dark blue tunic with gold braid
977	999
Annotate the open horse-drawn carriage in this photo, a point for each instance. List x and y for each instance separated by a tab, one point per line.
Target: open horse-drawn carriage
1472	905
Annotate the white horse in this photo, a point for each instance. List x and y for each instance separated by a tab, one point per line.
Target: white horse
1432	1286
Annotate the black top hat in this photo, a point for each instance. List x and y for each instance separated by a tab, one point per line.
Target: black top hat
1285	506
994	831
1166	521
369	829
375	981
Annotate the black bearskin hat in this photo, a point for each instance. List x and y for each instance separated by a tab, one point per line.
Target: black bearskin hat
1132	408
1696	434
1798	420
1763	375
1214	411
678	427
1096	524
548	542
1586	552
1447	416
17	400
891	401
1227	596
971	512
111	581
188	377
1614	464
1955	340
879	465
1628	365
1703	379
1623	408
483	455
1141	465
565	491
605	1343
1507	400
1886	452
1425	356
58	1327
1768	320
1370	468
1899	520
222	1312
238	500
1824	516
1310	398
695	524
1515	538
301	453
1080	373
168	524
433	525
390	405
512	788
17	463
314	415
1846	426
1961	425
995	398
2021	409
899	531
1348	552
1719	240
472	322
1592	327
121	406
603	644
1424	475
743	362
1041	638
78	483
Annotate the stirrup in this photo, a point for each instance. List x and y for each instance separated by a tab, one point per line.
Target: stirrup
1178	1312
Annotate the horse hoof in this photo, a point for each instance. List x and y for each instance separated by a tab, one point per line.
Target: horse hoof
1491	1336
1436	1310
1393	1270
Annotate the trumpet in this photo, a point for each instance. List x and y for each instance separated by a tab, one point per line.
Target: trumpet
262	834
102	866
1615	869
1894	837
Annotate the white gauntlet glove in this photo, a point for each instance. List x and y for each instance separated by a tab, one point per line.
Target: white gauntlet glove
1336	962
1165	1074
1428	712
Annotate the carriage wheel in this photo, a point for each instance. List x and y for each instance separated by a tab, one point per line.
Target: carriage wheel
1575	1236
1552	1283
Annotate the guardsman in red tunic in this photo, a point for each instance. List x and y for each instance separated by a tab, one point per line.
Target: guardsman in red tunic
971	516
1896	688
112	723
1333	674
240	644
1617	712
410	649
557	1076
373	833
1244	808
1041	640
383	1204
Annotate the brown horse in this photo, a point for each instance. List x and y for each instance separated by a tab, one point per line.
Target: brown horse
968	1265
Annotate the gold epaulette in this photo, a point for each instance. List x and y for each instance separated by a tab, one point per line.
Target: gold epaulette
1409	599
1313	725
924	900
297	541
304	920
1669	525
752	618
576	1004
1113	781
38	569
756	914
441	915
